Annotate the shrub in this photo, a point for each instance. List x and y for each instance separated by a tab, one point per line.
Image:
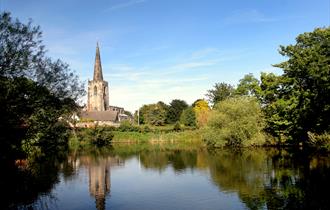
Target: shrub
319	141
177	126
99	136
127	126
235	122
145	129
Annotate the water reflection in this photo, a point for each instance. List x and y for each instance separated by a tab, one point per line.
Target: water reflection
253	179
99	174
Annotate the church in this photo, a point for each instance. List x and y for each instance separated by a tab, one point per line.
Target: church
98	108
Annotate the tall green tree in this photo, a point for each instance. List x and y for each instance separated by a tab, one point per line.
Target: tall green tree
35	92
220	92
175	109
188	117
300	98
249	86
153	114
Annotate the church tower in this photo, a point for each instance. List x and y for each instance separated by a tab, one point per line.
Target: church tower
98	91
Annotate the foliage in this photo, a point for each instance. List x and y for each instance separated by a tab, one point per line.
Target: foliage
220	92
100	137
128	113
237	122
200	105
175	109
275	110
202	110
319	141
188	117
35	92
153	114
184	136
97	136
23	55
299	100
127	126
177	126
248	86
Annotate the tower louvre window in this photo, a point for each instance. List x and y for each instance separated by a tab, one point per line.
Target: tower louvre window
95	91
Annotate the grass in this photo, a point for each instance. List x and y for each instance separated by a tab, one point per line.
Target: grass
82	138
189	136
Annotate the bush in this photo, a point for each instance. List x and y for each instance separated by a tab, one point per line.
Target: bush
145	129
319	141
127	126
235	122
177	127
100	137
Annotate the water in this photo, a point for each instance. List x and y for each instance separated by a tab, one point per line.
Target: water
156	177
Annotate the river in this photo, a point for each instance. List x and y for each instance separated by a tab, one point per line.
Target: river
166	177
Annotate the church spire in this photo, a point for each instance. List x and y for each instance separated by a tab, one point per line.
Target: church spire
97	66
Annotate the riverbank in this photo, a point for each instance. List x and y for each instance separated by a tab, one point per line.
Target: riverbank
104	136
84	138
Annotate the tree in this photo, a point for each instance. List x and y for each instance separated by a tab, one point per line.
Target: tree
153	114
275	105
188	117
34	91
236	121
202	110
128	113
249	86
175	109
301	96
220	92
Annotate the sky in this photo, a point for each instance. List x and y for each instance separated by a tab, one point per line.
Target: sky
160	50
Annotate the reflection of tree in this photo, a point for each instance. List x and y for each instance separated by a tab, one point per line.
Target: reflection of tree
263	179
240	171
154	160
272	179
179	160
22	188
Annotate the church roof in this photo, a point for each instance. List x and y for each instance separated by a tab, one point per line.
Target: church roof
100	115
98	76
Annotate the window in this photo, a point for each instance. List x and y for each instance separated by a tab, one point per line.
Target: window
95	91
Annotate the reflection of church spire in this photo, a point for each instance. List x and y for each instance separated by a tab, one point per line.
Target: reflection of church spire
99	183
99	179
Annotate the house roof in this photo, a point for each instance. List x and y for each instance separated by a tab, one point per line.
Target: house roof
100	115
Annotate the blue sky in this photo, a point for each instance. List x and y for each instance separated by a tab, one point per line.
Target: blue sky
154	50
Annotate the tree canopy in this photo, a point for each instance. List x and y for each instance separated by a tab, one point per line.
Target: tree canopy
220	92
35	91
299	100
236	121
175	109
